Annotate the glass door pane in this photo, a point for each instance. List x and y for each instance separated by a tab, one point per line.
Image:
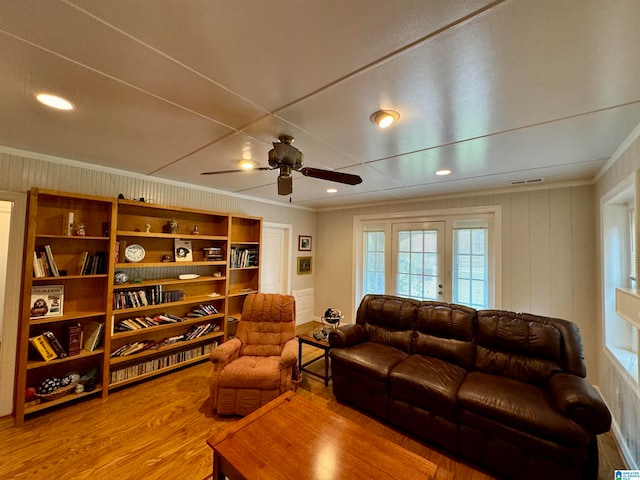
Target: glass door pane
419	250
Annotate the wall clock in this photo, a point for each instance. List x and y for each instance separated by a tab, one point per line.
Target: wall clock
134	253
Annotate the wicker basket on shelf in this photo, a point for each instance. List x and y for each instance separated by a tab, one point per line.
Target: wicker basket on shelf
58	393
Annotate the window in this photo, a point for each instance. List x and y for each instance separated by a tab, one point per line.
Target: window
373	274
449	257
619	239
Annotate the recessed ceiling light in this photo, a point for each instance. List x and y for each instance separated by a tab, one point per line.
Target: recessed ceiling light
247	164
384	118
332	190
444	171
54	101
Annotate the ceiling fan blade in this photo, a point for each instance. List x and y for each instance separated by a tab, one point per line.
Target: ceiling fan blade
285	185
331	175
234	171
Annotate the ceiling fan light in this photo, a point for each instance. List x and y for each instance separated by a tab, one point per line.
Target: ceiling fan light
55	101
247	164
444	171
384	118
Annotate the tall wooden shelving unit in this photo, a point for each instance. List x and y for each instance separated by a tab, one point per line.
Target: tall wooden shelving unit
209	288
244	277
110	226
84	295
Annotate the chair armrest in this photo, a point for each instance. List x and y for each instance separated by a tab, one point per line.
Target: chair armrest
225	352
347	335
289	355
579	401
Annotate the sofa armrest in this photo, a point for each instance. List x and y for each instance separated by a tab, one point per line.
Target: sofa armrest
579	401
226	352
289	355
347	335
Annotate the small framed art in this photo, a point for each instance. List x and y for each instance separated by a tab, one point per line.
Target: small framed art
304	243
304	265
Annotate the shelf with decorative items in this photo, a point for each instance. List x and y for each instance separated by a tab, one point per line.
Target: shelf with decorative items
169	290
67	271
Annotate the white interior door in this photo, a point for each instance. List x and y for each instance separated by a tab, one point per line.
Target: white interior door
276	254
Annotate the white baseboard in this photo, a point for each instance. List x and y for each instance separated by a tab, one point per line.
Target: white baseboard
617	436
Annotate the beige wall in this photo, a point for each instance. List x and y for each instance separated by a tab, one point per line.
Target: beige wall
621	394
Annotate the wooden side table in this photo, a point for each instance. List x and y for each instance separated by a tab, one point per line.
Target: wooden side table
322	345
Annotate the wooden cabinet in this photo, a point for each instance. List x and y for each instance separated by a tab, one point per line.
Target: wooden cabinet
244	264
163	308
170	311
63	296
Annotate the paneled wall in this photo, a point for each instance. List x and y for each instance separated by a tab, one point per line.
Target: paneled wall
548	248
621	394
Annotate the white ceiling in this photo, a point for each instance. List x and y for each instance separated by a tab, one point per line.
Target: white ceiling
495	91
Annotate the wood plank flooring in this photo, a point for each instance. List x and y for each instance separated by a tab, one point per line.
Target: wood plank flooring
158	429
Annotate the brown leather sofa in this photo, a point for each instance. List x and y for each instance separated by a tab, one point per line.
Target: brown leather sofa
503	390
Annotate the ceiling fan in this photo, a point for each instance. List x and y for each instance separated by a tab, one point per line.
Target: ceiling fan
285	157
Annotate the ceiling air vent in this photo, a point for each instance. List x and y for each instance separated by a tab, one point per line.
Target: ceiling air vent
528	181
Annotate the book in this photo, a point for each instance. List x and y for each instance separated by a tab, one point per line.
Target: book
183	250
94	335
38	270
72	338
47	301
67	223
42	346
52	261
55	344
82	261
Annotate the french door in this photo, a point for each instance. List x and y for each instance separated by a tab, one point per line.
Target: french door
419	259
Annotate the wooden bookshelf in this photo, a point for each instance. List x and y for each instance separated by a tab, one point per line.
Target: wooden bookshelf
89	293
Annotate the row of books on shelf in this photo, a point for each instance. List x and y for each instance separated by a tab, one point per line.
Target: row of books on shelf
150	366
44	264
243	257
137	323
193	332
49	347
144	297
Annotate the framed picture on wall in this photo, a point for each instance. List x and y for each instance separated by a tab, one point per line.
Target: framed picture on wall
304	265
304	243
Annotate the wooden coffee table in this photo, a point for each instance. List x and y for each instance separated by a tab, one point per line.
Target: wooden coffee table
292	437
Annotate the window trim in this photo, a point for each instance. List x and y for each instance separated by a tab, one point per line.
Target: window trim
493	213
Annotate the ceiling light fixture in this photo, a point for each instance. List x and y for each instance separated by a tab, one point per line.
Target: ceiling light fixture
384	118
55	101
332	190
247	164
444	171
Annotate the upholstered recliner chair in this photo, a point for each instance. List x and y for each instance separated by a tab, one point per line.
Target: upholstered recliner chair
261	361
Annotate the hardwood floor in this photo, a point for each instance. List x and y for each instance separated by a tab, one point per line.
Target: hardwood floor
158	429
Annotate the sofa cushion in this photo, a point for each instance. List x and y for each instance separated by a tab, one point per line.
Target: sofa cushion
511	347
374	360
445	331
429	383
520	405
388	320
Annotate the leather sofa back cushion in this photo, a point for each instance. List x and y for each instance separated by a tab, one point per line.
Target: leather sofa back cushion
446	333
517	349
388	320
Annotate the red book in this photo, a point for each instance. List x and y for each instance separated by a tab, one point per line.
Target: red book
72	338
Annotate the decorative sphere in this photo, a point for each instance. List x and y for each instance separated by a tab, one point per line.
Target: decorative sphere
49	385
332	315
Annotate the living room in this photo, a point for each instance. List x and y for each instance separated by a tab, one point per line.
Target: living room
548	235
